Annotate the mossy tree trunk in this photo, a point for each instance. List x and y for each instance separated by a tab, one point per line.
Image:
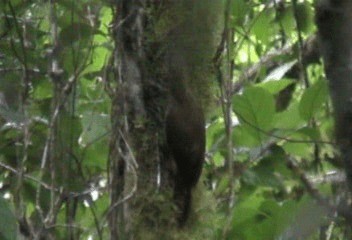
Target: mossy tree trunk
153	41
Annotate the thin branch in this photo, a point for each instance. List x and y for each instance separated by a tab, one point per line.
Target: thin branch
310	55
29	177
280	137
128	196
50	187
301	66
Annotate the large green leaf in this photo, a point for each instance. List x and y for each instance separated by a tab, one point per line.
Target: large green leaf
255	109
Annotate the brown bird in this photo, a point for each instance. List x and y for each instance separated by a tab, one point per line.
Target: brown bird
185	137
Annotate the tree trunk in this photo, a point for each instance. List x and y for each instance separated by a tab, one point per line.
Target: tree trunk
161	48
334	20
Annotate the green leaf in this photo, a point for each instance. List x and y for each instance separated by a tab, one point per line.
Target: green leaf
95	125
287	20
255	109
218	159
258	218
266	173
290	118
305	16
275	86
239	11
302	149
95	154
43	90
245	213
300	219
98	60
245	136
263	26
247	207
106	18
215	134
312	99
8	223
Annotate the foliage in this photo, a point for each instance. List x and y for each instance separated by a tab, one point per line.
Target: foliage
260	197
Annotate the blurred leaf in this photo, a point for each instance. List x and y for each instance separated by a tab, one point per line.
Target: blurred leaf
215	134
8	222
305	16
301	219
96	154
302	149
76	32
105	20
219	160
312	99
95	126
98	60
290	118
266	173
11	117
43	90
263	27
269	219
239	11
245	136
275	87
286	18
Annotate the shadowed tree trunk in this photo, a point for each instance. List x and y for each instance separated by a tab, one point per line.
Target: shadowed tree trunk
334	20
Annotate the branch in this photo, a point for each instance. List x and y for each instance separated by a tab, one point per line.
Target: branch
310	54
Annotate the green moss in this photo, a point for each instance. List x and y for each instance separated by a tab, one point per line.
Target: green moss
154	216
186	34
